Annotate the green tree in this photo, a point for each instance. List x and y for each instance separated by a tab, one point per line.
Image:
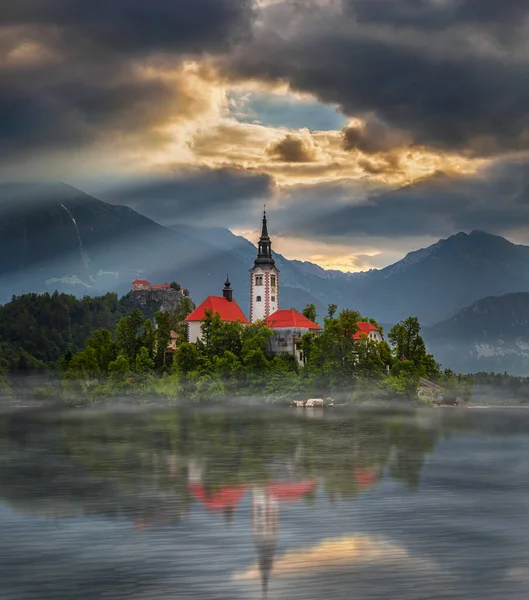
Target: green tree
408	345
176	286
119	369
186	359
225	337
148	338
127	336
144	369
331	311
310	312
182	311
104	347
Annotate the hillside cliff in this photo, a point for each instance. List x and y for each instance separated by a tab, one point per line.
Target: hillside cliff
152	301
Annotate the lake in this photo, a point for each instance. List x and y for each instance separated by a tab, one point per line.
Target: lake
244	504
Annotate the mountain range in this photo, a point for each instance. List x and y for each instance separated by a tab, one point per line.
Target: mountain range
491	335
54	236
57	237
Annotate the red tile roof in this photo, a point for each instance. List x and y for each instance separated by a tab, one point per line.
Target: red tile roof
291	491
140	282
228	311
364	328
366	477
284	319
225	497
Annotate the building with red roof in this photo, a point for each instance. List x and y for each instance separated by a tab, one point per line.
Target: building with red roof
366	476
290	319
369	331
140	284
225	306
143	285
227	497
289	326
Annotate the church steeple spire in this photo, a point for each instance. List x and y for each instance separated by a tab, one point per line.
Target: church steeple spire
264	233
264	254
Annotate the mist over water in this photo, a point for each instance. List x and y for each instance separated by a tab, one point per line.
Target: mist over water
245	503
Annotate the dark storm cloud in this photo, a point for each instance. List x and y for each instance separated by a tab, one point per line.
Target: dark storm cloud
213	197
130	26
292	149
83	82
459	87
496	200
53	108
438	14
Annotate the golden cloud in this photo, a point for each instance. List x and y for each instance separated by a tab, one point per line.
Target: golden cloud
186	120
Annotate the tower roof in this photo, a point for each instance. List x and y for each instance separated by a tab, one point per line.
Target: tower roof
228	311
264	254
264	231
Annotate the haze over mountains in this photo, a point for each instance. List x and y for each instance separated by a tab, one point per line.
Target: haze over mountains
57	237
491	335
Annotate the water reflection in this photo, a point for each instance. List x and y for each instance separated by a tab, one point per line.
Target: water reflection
272	499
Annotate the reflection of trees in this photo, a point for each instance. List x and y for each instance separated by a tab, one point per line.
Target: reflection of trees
411	444
136	465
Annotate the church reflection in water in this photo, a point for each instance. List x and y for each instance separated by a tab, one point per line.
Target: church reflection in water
265	500
152	469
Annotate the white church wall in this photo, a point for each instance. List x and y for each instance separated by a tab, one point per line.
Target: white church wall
194	331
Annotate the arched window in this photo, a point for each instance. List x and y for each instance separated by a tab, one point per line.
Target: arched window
258	299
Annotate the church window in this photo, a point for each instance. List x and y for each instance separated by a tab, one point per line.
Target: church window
258	280
273	280
258	299
273	298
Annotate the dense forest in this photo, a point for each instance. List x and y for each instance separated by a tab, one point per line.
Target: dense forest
100	348
37	330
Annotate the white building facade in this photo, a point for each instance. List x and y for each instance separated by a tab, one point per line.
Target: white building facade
264	280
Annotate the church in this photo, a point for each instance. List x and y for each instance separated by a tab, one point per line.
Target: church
288	325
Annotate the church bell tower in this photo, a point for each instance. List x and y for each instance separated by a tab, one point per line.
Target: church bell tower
264	280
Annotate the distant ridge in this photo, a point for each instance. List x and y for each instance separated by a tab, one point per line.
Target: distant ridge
54	236
489	335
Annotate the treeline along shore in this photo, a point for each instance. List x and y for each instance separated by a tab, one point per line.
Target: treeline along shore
92	350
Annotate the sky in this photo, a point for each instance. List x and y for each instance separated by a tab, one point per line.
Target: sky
369	128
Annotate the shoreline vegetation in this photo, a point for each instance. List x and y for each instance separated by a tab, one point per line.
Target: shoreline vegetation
92	350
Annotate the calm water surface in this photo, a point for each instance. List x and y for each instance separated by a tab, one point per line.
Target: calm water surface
161	504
